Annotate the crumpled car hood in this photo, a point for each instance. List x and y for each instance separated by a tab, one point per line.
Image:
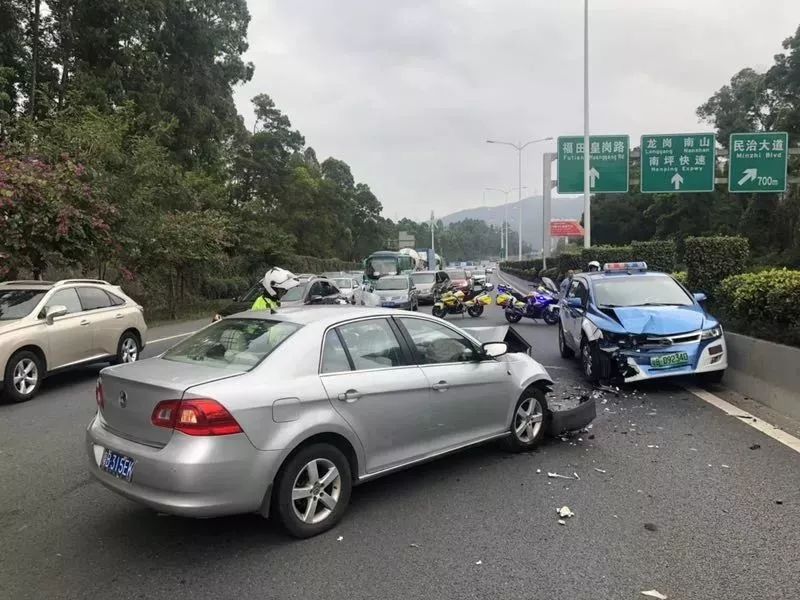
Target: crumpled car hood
660	320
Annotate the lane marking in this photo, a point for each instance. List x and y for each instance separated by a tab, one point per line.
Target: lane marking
747	418
171	337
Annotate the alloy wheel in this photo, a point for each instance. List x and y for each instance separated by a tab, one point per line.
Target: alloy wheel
316	491
528	420
26	376
130	350
586	354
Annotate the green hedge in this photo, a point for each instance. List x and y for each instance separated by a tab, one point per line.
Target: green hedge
763	304
709	260
312	264
605	254
658	254
681	277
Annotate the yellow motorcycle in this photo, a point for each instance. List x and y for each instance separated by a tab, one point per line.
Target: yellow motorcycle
453	303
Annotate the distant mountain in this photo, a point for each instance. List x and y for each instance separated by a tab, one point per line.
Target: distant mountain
562	208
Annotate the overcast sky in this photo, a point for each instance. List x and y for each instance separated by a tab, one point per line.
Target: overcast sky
407	91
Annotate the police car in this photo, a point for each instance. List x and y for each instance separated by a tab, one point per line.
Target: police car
630	323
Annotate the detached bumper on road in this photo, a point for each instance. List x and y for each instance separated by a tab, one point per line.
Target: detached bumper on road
190	476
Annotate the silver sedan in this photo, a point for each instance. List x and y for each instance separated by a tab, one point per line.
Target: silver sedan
282	414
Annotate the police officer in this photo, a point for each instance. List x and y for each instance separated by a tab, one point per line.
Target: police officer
276	283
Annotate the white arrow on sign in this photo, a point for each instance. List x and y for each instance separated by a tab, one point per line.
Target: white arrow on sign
677	180
749	175
593	176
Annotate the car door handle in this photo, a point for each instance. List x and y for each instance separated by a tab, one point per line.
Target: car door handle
349	396
119	316
441	386
84	322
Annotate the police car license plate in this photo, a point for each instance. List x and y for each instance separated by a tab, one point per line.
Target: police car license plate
668	361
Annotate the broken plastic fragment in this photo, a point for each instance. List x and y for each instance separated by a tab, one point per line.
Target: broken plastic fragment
654	594
599	470
414	545
576	476
538	470
565	512
562	522
480	562
340	538
557	476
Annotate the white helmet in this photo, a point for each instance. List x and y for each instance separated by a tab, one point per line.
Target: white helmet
277	279
594	264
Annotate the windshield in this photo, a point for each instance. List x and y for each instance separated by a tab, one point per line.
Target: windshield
457	274
423	278
381	266
15	304
392	283
639	291
233	344
295	294
343	283
252	294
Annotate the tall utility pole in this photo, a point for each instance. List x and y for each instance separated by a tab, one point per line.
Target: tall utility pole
587	201
504	229
519	147
433	243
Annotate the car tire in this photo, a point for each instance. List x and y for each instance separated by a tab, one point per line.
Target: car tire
563	348
712	377
527	422
589	361
128	349
23	376
296	513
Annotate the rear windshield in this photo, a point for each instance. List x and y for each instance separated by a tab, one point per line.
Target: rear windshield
295	294
457	274
619	291
15	304
423	277
343	283
234	344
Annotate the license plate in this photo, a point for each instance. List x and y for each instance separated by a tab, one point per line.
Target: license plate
118	465
668	361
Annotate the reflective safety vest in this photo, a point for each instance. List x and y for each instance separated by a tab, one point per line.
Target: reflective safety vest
264	303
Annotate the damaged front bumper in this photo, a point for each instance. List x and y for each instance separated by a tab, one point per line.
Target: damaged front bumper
572	419
638	364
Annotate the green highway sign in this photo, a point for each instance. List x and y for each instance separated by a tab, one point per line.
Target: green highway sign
758	162
608	163
678	162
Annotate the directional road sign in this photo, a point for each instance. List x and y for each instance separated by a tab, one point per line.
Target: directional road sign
758	162
608	162
678	162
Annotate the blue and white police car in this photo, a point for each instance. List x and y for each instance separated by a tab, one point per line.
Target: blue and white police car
630	323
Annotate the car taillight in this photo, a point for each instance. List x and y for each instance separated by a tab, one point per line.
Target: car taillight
99	396
197	416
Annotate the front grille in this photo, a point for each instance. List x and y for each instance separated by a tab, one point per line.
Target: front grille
657	341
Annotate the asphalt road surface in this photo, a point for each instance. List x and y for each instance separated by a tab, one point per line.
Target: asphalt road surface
671	497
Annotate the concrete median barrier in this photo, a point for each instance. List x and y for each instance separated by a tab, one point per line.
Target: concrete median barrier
764	371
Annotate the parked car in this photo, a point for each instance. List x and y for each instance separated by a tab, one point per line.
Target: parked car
315	290
46	327
631	323
397	291
430	285
305	276
281	414
240	303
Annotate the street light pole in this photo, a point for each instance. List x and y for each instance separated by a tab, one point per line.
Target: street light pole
519	147
587	202
505	215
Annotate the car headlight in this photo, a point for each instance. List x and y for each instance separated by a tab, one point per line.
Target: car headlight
216	318
711	334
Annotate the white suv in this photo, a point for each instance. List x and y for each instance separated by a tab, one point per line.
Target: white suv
46	326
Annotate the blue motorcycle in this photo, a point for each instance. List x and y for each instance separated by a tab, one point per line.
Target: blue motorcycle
541	303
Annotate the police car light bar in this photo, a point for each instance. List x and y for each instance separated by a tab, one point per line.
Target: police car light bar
625	266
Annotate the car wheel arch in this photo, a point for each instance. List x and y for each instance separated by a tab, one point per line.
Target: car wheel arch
37	350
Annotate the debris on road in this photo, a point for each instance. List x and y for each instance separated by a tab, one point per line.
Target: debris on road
599	470
725	466
654	594
653	446
538	470
480	562
565	512
778	501
340	538
414	545
755	447
651	527
562	522
558	476
607	389
576	476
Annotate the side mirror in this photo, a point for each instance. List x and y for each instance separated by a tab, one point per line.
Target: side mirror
574	302
494	349
55	311
700	297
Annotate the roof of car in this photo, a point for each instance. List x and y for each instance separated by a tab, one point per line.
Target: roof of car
604	275
37	283
326	314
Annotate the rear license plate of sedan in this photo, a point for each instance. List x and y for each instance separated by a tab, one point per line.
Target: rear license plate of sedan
668	361
118	465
